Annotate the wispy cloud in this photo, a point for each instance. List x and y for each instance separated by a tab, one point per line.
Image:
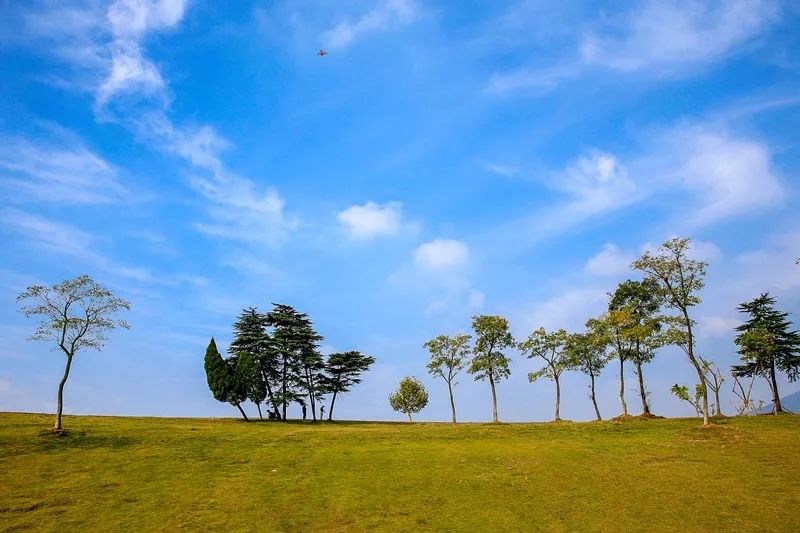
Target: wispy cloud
610	261
386	15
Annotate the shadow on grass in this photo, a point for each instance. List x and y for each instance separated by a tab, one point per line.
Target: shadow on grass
47	441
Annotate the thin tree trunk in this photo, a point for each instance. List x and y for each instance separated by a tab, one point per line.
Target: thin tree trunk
409	416
260	416
594	400
271	396
558	399
622	385
716	396
283	399
452	402
310	382
330	409
776	398
642	392
57	427
494	399
243	413
697	367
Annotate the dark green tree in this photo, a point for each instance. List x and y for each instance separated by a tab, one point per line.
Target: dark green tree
343	370
222	379
312	365
250	336
492	336
767	345
248	375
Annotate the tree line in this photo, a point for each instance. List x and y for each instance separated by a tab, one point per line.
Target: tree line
642	317
274	358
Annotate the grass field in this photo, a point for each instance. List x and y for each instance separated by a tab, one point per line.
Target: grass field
142	474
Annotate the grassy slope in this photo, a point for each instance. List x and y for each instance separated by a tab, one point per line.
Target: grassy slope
165	474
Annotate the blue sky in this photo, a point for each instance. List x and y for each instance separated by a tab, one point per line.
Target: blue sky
444	159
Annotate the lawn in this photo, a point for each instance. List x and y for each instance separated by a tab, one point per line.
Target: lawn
142	474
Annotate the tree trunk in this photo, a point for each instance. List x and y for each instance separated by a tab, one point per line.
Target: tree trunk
716	396
697	367
776	398
594	400
409	416
57	426
494	399
260	416
243	413
452	402
283	399
622	385
330	409
558	399
642	392
271	396
310	382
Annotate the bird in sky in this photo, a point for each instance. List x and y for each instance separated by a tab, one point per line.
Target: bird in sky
322	53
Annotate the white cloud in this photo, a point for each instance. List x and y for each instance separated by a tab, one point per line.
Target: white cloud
441	254
569	310
610	261
598	181
501	169
530	79
371	220
669	34
56	172
388	14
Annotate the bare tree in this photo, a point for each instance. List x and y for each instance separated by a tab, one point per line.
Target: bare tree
714	380
746	405
75	314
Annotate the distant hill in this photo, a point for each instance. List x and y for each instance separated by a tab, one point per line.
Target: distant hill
789	403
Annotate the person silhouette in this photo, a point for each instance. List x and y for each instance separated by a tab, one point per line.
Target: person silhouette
321	412
303	406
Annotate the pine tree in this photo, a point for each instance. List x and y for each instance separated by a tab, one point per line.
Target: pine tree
343	370
767	345
250	336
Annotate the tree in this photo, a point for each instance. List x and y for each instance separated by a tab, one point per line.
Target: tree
611	326
312	365
225	382
250	337
410	397
75	315
640	327
679	278
767	345
489	362
746	405
714	380
587	353
682	393
449	356
247	374
343	370
550	347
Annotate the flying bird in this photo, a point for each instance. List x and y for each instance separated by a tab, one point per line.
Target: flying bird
322	53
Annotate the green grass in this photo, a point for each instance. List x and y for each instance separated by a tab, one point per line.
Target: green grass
143	474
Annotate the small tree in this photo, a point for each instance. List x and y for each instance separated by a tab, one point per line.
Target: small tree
679	278
714	380
746	405
612	326
682	393
587	353
492	336
449	356
550	347
344	370
75	315
410	397
248	375
225	380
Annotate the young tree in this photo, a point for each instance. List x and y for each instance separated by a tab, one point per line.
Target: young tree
746	405
714	380
682	393
640	327
767	345
587	353
611	326
449	356
74	315
221	374
410	397
250	337
680	278
492	336
551	348
344	370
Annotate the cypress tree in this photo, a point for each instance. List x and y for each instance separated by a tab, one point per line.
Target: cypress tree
222	378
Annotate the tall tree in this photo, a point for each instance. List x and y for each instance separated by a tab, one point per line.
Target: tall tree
312	365
343	370
767	345
75	315
247	374
449	356
292	336
410	397
550	347
680	279
587	353
250	336
641	325
492	336
226	386
611	326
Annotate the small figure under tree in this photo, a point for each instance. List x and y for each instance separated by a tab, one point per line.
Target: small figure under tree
550	347
492	336
410	397
76	314
449	356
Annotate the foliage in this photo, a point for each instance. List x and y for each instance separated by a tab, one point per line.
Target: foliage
682	393
449	356
587	353
410	397
250	336
492	336
344	369
551	348
226	382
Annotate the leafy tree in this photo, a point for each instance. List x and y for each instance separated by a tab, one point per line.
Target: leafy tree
221	374
247	374
767	345
75	315
682	393
611	327
410	397
640	327
551	348
587	353
449	356
344	370
250	337
679	278
492	336
714	380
